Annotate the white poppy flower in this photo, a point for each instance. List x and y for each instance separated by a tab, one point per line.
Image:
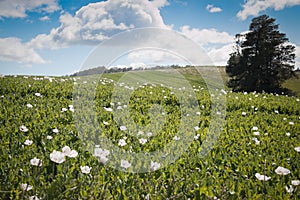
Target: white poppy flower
297	149
33	198
282	171
28	142
36	162
85	169
26	187
154	166
123	128
125	164
57	157
122	142
262	177
295	182
289	189
108	109
176	138
55	130
142	141
23	128
49	137
29	105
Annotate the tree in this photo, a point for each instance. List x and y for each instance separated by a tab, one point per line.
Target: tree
263	58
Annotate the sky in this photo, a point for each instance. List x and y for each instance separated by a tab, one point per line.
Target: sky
58	37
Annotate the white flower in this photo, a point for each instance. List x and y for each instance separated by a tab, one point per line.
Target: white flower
256	133
196	137
289	190
198	113
119	108
149	134
295	182
23	128
57	157
85	169
254	128
28	142
282	171
105	123
37	94
36	162
122	142
244	113
262	177
142	141
103	159
256	141
26	187
98	152
154	166
176	138
64	110
68	152
108	109
123	128
33	198
55	130
196	128
29	105
291	123
297	149
49	137
276	111
125	164
140	133
288	134
71	108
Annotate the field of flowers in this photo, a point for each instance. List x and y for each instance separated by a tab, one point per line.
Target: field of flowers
45	154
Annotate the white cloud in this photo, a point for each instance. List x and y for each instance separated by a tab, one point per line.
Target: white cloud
45	18
160	3
98	21
254	7
154	57
18	8
206	36
220	56
218	45
213	9
12	49
297	52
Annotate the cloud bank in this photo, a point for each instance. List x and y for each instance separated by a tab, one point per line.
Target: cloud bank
254	7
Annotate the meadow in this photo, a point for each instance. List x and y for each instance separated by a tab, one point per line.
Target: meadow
54	144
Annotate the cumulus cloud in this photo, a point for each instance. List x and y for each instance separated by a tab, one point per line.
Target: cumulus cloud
18	8
213	9
45	18
206	36
218	45
220	56
154	57
254	7
12	49
95	22
297	52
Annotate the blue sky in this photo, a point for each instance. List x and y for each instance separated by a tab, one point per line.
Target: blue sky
55	37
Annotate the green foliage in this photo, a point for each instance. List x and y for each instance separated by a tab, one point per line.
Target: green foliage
263	59
227	172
